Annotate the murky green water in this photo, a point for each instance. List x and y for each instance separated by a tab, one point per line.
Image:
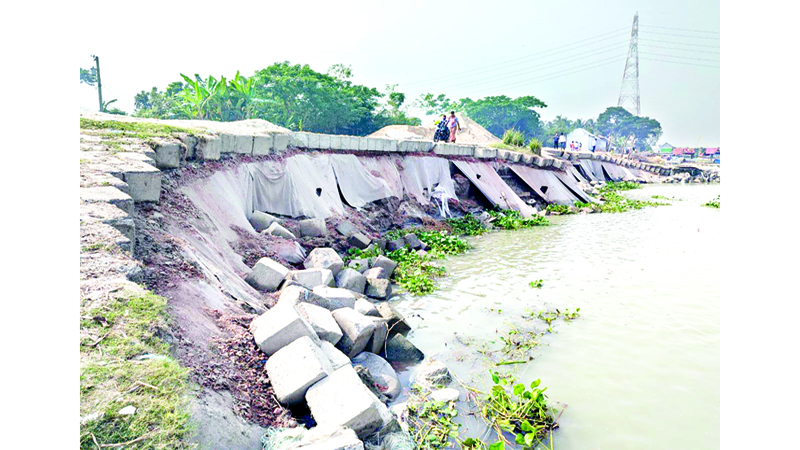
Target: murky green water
640	368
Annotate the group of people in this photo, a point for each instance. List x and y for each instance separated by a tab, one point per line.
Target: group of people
560	141
447	127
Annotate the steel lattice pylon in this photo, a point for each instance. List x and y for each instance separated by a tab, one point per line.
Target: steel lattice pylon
629	93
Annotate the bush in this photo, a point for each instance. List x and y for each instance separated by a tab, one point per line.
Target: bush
536	146
514	137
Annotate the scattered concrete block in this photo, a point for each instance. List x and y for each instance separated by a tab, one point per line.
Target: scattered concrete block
321	321
168	155
431	374
341	399
280	142
395	244
311	278
378	340
280	326
335	356
374	272
352	280
413	241
359	240
381	371
324	258
401	349
386	264
380	288
346	228
361	264
295	368
208	148
357	329
262	145
337	298
396	321
445	395
277	229
322	438
262	220
295	294
313	227
366	308
266	275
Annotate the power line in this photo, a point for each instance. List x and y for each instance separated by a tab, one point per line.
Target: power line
680	62
679	49
680	29
682	57
539	67
499	65
683	35
679	43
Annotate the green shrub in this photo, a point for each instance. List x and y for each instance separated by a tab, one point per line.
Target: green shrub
514	137
713	203
536	146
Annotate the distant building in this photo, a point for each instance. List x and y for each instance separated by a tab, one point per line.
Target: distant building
666	147
583	137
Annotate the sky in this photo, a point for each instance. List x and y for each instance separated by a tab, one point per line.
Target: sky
570	54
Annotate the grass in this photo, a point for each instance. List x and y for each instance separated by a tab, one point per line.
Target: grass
514	138
113	129
114	375
661	197
713	203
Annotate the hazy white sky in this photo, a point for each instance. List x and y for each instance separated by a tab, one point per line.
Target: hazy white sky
570	54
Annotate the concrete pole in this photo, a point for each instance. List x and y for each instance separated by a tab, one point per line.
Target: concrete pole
99	86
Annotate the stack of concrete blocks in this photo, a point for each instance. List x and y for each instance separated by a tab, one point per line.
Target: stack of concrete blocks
453	149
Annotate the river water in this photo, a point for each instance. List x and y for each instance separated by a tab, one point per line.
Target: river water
639	369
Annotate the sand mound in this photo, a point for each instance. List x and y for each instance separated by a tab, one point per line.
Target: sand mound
471	132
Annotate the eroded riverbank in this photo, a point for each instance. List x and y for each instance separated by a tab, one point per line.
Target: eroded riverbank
641	362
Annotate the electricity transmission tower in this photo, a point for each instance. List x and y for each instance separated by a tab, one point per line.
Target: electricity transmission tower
629	93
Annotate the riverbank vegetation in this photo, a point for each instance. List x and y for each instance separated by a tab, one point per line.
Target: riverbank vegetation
713	203
519	410
509	219
614	202
431	423
133	394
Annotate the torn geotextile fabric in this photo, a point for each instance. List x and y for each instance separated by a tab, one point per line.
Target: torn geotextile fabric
357	184
493	187
420	174
385	167
546	184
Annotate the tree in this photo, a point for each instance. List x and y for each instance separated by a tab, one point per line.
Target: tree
617	122
89	76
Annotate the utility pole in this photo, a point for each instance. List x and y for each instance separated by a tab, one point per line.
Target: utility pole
99	86
629	93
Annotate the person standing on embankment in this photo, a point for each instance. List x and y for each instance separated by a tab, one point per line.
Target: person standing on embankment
452	124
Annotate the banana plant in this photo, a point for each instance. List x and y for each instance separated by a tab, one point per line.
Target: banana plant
245	89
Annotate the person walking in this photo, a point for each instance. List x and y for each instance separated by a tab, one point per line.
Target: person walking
555	140
453	125
562	141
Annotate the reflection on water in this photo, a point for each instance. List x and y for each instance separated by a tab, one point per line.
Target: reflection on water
640	367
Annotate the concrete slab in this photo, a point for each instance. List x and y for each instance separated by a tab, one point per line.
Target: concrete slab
277	229
280	141
299	139
208	148
279	327
312	227
295	368
378	340
168	155
262	145
262	220
386	264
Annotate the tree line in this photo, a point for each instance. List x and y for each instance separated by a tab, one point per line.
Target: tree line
300	98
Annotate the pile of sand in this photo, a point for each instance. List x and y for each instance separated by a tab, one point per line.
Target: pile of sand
471	132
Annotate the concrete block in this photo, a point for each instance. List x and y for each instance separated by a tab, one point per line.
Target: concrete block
280	142
325	438
378	339
321	321
386	264
335	356
401	349
262	220
431	373
277	229
382	372
354	143
359	265
324	141
373	272
485	152
526	158
390	145
372	144
313	141
324	258
359	240
266	275
208	148
295	294
363	144
295	368
352	280
395	244
413	241
298	139
346	228
190	144
336	142
168	155
445	395
514	156
379	288
502	154
341	399
243	145
337	297
279	327
396	321
311	278
313	227
143	186
262	145
403	146
366	308
357	329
